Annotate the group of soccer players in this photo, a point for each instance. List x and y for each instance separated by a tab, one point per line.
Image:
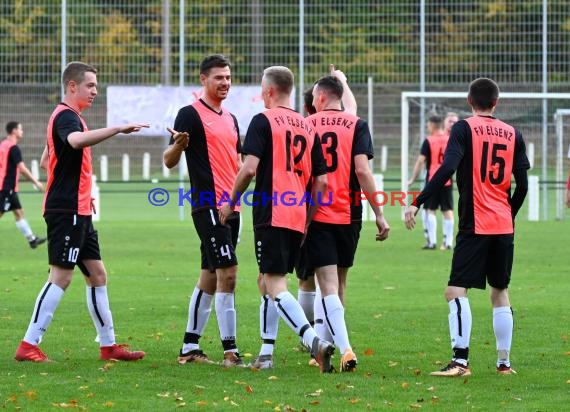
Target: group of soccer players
284	152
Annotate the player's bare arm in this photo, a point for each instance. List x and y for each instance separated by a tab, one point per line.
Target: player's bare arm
79	140
26	172
171	155
243	179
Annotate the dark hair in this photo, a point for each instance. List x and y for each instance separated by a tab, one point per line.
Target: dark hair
214	60
10	126
308	95
331	85
281	78
76	71
435	119
483	93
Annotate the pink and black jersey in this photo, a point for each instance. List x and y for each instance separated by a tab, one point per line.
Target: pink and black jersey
10	157
342	136
289	156
433	149
212	153
486	153
68	187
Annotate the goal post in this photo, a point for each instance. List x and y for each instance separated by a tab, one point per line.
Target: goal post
559	120
528	112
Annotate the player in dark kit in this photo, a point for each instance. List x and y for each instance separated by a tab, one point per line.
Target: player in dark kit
67	208
486	153
208	135
11	165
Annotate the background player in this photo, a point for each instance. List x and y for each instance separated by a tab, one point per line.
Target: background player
11	165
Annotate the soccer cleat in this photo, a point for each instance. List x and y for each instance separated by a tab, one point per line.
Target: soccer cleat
503	369
453	369
445	247
322	351
263	362
28	352
119	353
348	361
427	246
232	359
196	356
313	362
35	242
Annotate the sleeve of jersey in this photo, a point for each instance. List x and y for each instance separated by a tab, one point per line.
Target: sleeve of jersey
16	154
425	149
238	143
521	165
318	159
67	122
185	121
255	138
452	157
363	140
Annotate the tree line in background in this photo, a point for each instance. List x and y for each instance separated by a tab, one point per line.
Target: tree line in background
463	39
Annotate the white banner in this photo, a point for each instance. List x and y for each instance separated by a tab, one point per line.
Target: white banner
159	105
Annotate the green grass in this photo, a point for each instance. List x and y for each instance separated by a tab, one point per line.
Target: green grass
396	314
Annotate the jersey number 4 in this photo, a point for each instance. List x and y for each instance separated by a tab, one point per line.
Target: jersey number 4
496	163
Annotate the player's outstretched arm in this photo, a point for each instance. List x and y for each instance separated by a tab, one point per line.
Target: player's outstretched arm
79	140
26	172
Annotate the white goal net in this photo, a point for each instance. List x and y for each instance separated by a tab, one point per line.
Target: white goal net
534	114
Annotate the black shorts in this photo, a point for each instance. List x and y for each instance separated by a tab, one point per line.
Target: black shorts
71	239
303	269
332	244
478	259
276	249
217	242
9	200
442	199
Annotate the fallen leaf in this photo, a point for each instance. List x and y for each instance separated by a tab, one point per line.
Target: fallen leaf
392	363
405	385
273	378
163	395
249	389
31	395
415	405
318	392
109	404
431	388
202	403
417	372
354	401
369	352
181	404
315	402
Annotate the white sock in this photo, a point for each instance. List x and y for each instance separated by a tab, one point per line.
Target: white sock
321	328
448	232
460	322
431	223
268	324
199	310
46	303
424	224
100	311
25	228
334	315
292	313
307	301
226	315
503	327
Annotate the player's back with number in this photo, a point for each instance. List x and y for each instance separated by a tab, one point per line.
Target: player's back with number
285	166
342	136
492	150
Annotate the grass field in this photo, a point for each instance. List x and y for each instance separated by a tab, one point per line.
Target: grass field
396	315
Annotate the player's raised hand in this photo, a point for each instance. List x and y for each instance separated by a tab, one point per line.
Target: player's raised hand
133	127
180	138
337	73
410	217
